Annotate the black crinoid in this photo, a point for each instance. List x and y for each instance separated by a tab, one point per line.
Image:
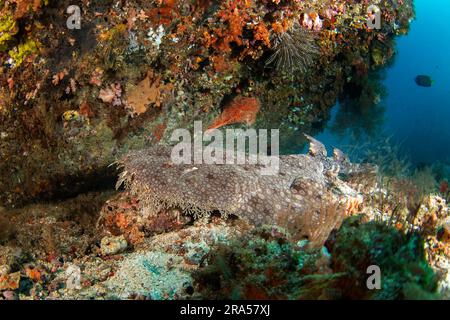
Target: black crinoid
294	50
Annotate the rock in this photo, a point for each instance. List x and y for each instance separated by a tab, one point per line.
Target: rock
149	274
10	295
432	215
113	245
199	82
10	281
73	274
444	233
4	270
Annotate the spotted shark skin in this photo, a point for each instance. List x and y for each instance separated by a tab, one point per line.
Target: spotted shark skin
306	196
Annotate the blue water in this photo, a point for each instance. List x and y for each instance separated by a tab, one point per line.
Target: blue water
417	118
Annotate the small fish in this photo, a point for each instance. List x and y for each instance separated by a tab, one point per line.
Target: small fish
424	81
240	110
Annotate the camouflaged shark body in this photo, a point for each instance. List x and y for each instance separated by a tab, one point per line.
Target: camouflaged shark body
306	195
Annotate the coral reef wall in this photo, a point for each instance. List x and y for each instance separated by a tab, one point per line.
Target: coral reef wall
73	101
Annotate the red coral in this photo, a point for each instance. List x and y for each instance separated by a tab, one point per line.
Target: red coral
220	64
121	215
165	13
262	34
235	15
23	7
158	133
85	110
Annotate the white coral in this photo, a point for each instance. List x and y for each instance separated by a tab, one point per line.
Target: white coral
156	36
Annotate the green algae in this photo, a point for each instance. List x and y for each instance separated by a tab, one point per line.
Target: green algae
8	29
22	51
405	274
269	266
264	264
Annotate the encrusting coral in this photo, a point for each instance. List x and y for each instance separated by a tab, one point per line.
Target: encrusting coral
264	264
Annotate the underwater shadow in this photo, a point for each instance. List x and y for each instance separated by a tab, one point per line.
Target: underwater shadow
361	108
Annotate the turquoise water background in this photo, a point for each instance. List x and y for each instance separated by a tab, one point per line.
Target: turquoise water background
416	118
